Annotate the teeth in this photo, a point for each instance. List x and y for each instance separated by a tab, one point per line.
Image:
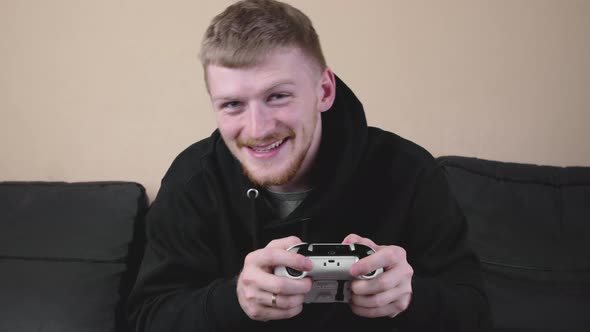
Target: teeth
269	147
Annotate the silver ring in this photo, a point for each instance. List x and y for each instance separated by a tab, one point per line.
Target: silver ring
274	300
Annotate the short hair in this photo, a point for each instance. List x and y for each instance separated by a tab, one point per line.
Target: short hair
247	30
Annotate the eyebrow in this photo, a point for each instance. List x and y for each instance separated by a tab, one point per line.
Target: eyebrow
271	87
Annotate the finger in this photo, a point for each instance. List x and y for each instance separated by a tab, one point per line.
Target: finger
399	277
369	264
279	314
352	238
284	286
281	301
257	273
389	310
379	284
288	301
355	238
264	312
387	257
365	267
380	299
270	257
367	242
258	304
284	243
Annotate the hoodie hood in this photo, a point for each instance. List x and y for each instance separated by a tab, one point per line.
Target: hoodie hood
343	144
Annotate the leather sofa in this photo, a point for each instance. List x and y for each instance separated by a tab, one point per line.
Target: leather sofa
69	252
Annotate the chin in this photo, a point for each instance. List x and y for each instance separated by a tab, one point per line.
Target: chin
262	177
272	172
267	180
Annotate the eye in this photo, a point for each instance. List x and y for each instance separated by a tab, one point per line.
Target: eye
230	106
278	97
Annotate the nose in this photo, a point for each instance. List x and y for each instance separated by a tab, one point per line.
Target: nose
260	121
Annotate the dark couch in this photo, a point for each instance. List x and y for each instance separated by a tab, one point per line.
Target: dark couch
530	225
69	252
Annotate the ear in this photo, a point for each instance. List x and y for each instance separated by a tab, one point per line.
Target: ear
327	90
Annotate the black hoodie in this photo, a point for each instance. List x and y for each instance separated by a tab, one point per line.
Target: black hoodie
367	181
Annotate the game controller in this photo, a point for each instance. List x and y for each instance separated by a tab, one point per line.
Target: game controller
331	269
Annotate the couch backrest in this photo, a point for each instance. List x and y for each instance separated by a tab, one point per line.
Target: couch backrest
68	254
530	225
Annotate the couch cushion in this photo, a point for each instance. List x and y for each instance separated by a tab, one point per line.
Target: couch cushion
530	225
65	252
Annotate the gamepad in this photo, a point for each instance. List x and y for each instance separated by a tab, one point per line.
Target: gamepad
331	265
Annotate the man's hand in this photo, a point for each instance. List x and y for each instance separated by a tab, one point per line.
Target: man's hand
387	294
264	296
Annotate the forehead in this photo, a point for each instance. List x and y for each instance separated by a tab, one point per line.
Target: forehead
282	66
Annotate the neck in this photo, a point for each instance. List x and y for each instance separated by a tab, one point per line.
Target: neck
291	187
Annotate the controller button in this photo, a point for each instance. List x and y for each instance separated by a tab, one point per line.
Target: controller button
293	272
370	274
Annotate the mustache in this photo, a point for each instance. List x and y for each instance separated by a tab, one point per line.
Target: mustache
266	140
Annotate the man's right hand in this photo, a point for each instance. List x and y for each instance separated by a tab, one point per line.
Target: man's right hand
258	286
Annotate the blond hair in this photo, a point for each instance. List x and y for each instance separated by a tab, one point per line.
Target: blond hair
247	30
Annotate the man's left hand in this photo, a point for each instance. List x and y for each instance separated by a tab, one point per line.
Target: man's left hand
387	294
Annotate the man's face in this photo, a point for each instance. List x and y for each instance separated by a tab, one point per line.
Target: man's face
269	115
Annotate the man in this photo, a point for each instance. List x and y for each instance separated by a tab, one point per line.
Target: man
293	161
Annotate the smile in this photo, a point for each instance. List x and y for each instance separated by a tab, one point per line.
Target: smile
269	147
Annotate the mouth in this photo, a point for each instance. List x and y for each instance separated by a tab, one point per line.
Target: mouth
268	147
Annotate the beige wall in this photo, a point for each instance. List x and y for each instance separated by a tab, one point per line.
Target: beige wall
112	90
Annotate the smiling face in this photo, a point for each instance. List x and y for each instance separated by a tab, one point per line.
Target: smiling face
269	115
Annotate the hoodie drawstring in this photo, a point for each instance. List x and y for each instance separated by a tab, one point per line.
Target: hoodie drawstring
252	194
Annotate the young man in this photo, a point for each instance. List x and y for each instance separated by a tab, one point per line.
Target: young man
292	161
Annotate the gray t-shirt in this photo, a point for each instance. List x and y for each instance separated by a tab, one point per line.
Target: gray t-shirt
285	203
